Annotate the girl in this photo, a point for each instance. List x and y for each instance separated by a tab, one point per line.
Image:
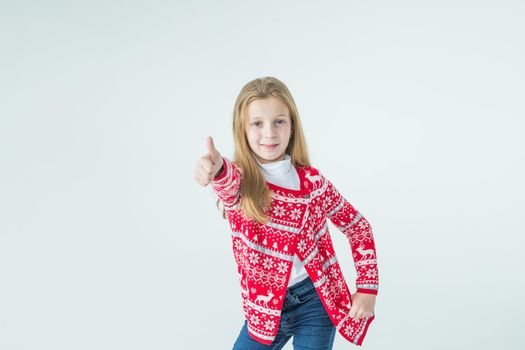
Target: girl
277	206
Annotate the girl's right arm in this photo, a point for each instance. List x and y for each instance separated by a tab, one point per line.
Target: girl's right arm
225	176
227	184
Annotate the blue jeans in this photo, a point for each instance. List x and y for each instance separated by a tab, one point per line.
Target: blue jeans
303	316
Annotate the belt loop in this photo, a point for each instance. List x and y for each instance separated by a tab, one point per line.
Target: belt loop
292	297
295	298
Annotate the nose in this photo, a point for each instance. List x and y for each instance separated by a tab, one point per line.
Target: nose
268	131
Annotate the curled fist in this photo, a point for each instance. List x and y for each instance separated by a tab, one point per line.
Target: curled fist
208	165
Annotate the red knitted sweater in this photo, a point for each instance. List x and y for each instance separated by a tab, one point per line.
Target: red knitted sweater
298	225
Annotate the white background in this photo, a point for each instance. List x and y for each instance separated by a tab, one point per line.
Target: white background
414	110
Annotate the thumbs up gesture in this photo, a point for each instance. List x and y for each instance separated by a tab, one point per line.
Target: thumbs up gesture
208	165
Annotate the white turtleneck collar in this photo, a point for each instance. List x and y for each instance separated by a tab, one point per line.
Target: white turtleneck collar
281	173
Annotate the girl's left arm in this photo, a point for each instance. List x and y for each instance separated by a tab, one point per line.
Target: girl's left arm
357	229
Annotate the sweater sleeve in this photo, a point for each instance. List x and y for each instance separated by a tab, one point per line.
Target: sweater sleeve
359	233
227	184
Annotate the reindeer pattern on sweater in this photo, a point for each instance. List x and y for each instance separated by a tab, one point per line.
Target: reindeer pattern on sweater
298	225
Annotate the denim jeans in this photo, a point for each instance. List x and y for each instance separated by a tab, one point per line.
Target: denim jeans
303	316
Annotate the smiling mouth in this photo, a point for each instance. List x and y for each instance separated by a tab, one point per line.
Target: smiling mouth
270	146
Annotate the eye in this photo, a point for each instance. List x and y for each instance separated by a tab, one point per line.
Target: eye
281	121
257	123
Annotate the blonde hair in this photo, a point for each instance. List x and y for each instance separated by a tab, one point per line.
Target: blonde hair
255	197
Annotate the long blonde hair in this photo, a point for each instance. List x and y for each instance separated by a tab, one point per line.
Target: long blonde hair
255	197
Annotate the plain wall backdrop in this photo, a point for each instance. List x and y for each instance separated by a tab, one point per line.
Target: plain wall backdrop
413	109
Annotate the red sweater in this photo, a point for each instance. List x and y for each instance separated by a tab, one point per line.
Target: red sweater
298	225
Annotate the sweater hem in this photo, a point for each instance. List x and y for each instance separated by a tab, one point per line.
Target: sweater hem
356	339
260	340
367	291
365	329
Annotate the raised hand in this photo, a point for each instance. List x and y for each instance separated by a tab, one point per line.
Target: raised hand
208	165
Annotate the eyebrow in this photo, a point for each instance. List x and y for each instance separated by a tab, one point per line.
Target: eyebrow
278	115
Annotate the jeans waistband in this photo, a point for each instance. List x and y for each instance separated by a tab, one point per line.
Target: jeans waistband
302	286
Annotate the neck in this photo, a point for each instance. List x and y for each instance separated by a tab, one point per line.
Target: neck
277	168
264	161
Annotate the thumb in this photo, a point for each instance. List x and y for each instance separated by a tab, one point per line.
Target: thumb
211	148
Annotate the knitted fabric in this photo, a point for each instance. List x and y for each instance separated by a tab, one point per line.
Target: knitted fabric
298	225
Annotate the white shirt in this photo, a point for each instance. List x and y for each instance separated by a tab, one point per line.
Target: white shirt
282	173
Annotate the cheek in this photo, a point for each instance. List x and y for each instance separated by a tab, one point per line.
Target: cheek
286	132
251	136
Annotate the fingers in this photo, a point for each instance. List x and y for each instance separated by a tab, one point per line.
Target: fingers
198	174
359	311
353	311
215	154
208	165
205	170
211	147
361	315
202	176
356	313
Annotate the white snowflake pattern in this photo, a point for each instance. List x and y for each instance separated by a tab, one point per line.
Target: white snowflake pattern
295	214
238	244
310	235
254	258
363	224
318	211
282	267
279	211
325	290
372	273
327	203
269	325
348	330
301	246
268	263
244	250
254	319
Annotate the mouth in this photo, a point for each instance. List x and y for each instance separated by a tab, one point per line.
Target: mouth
270	146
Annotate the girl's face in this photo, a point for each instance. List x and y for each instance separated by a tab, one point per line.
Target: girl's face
268	129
